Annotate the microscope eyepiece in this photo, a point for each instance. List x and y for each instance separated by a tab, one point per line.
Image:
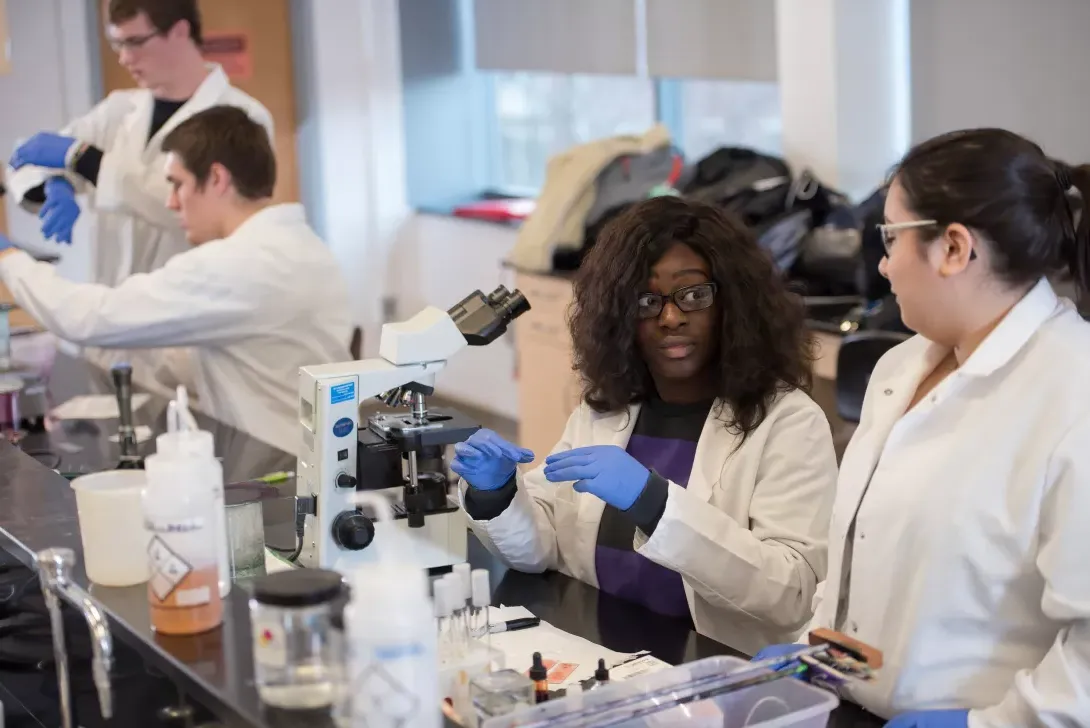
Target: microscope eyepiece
483	319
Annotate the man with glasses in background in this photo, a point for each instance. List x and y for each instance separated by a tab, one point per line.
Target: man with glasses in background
114	154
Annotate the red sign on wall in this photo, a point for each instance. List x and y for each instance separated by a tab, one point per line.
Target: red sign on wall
232	51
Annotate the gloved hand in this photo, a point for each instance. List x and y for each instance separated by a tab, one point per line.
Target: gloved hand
487	461
931	719
6	244
59	213
44	149
605	471
778	651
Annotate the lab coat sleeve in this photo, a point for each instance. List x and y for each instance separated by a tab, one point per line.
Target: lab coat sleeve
768	568
187	302
95	127
1055	694
524	535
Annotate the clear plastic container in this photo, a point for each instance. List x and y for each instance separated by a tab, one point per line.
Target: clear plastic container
298	655
111	526
674	697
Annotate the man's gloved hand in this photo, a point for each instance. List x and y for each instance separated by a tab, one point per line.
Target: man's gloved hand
778	651
44	149
605	471
487	461
931	719
6	244
59	213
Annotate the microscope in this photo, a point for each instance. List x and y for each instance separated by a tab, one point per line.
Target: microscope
399	453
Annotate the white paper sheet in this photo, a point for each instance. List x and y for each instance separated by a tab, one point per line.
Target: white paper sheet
569	658
96	407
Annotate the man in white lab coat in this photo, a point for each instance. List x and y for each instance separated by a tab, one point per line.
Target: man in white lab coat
258	296
114	152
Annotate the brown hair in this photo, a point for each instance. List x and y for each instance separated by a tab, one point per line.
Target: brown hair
763	348
226	135
1031	209
163	14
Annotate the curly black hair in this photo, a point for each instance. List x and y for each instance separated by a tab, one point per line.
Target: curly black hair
764	347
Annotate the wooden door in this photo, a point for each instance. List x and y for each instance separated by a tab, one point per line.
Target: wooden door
265	27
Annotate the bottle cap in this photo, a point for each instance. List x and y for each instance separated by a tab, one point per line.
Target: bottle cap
298	588
442	598
463	574
481	589
537	670
601	674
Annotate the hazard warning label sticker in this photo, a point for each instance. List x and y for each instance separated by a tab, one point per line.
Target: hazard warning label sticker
168	569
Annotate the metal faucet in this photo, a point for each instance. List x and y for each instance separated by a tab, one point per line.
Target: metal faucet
126	432
55	567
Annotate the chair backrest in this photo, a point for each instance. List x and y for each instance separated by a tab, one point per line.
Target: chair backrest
859	353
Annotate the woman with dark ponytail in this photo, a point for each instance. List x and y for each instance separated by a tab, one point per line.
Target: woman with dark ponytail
960	538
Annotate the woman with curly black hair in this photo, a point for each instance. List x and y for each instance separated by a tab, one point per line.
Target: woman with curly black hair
696	477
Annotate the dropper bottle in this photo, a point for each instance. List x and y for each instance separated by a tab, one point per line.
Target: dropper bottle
184	439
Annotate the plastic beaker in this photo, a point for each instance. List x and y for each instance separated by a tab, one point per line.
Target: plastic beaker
111	525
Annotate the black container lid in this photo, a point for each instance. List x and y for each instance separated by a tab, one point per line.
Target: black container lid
298	588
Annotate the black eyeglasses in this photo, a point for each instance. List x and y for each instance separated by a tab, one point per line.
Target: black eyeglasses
688	299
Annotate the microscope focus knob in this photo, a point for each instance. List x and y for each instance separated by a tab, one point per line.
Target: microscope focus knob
353	531
344	480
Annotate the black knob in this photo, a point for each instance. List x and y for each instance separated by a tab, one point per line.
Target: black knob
353	531
344	480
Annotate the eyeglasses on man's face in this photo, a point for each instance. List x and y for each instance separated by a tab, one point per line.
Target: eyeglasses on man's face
687	299
889	231
133	42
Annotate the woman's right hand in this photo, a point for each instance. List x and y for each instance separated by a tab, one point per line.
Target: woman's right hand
779	651
487	461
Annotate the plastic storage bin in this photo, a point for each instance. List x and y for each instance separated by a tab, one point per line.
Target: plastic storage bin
652	701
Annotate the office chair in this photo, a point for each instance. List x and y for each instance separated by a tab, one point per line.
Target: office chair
859	353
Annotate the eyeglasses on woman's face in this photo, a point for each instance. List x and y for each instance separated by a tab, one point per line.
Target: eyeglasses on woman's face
687	299
889	231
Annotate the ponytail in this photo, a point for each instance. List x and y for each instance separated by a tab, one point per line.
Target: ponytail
1077	192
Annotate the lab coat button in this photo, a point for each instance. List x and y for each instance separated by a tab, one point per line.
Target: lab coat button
889	392
854	627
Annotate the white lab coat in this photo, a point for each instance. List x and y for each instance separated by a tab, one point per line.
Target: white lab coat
969	564
253	308
134	231
747	534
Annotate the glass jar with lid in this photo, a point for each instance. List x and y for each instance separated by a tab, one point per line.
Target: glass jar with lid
298	654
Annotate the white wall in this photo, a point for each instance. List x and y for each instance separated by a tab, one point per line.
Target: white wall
54	78
351	150
1016	64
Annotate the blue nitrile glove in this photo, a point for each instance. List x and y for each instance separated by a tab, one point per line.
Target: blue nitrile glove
44	149
5	243
487	461
605	471
59	213
778	651
931	719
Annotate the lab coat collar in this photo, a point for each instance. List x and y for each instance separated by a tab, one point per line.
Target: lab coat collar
288	213
1012	333
207	95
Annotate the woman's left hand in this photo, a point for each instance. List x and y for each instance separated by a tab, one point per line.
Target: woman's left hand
605	471
931	719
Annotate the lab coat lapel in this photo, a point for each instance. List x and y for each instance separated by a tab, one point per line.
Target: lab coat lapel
891	397
132	138
706	471
208	94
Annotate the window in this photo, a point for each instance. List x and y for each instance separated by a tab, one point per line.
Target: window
713	114
537	115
